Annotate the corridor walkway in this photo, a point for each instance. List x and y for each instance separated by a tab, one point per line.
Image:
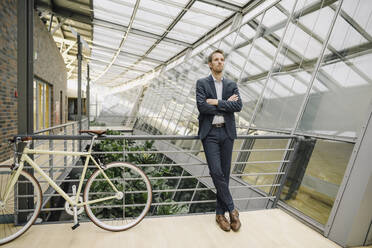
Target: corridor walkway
264	228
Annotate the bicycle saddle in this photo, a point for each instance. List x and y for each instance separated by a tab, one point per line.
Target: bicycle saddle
97	132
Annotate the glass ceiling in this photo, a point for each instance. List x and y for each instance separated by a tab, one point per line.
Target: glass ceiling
132	38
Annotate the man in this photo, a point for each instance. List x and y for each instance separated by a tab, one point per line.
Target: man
217	99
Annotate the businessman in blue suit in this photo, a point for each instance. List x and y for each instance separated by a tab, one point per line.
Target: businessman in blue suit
217	100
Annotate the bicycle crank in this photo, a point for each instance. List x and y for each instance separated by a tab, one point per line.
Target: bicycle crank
73	210
70	208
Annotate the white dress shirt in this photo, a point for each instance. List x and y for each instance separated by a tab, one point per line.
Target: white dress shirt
219	86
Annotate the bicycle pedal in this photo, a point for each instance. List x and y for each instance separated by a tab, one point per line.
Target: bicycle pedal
75	226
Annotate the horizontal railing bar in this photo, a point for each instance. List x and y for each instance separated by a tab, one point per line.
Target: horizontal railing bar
159	165
207	176
183	202
138	165
147	137
170	178
262	162
155	204
165	191
144	165
185	151
59	126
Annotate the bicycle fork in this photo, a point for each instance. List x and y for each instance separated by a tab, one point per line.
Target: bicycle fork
13	179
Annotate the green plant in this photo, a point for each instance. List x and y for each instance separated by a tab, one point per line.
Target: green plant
95	123
154	172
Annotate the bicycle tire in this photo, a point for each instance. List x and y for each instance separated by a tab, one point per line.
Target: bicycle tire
25	215
118	214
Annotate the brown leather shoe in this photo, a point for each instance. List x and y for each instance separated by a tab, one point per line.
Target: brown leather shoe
223	222
234	220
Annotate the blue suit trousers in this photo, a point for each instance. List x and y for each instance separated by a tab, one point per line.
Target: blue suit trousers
218	151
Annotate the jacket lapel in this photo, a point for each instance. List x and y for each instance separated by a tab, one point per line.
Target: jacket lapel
211	83
224	84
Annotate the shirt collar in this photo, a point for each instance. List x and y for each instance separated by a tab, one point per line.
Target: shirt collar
215	79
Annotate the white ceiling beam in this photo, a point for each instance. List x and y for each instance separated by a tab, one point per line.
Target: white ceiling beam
69	73
223	4
59	25
66	41
71	62
68	49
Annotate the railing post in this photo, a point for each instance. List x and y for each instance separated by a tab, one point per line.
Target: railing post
124	142
73	142
65	146
51	174
79	58
87	102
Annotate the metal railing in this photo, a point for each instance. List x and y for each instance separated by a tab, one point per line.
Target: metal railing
48	162
177	170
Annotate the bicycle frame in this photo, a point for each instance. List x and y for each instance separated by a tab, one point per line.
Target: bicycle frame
36	167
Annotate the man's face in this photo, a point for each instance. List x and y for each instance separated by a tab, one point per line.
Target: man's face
218	62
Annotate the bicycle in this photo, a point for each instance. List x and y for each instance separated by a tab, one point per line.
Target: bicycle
104	198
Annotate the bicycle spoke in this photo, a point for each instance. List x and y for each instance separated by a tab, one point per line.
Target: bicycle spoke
10	230
2	188
115	214
4	185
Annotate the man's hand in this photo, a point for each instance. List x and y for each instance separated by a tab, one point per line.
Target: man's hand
212	101
233	98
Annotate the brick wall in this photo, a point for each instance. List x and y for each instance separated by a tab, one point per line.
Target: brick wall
49	66
8	74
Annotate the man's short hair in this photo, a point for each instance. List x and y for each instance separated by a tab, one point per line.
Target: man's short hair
215	51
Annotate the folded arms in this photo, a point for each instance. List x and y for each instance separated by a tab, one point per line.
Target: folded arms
214	106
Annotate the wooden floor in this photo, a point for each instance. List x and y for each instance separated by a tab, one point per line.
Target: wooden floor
264	228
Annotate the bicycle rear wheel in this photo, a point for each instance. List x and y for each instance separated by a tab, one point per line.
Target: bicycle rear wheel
132	203
21	208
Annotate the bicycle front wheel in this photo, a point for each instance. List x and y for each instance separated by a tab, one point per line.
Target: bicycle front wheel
22	206
131	204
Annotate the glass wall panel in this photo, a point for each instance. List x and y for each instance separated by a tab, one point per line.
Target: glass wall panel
288	4
361	13
242	58
340	111
227	42
310	23
250	94
272	17
233	60
286	89
312	186
344	35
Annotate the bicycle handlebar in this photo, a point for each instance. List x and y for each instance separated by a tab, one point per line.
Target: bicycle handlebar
18	138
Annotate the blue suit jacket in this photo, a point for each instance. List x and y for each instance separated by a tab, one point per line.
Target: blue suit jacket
205	89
